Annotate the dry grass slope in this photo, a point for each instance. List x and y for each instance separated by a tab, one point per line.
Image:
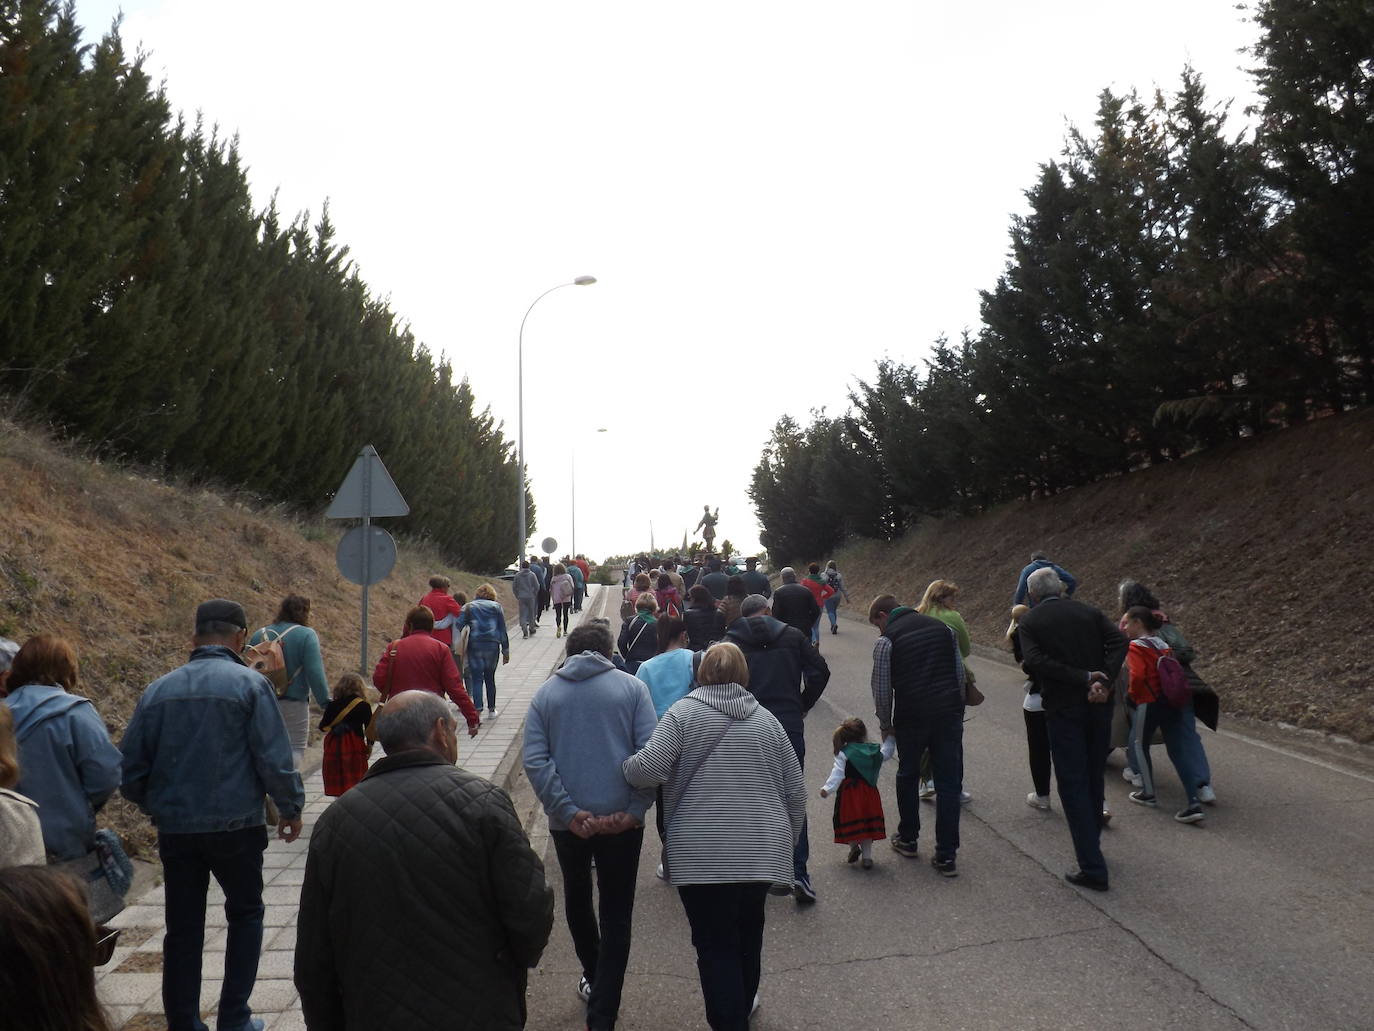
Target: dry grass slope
1262	551
116	561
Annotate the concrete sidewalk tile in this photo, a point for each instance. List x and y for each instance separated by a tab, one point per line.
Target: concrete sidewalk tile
280	916
136	916
284	939
272	995
118	989
292	1020
281	895
278	963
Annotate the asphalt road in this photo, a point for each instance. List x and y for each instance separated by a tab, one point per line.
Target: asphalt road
1260	917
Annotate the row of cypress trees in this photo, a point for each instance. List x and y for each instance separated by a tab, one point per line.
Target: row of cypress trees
1172	285
148	307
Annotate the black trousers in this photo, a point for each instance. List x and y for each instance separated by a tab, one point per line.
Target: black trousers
1080	738
1038	750
601	935
727	932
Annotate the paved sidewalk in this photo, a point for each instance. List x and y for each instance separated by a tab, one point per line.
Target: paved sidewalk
130	985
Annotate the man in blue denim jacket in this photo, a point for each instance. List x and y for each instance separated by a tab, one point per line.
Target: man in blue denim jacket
204	746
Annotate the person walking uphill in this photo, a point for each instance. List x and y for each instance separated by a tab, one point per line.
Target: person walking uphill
794	604
583	723
300	647
488	643
445	608
787	676
561	593
203	747
423	904
735	806
1073	653
417	662
918	697
526	587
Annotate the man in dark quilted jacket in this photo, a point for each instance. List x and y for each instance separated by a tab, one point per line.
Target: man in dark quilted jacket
423	904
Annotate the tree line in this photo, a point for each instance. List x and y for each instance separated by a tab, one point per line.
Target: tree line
1171	286
148	307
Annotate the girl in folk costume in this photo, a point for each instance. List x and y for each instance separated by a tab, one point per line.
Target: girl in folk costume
345	727
854	779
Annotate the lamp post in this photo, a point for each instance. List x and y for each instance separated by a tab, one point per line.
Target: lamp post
520	398
572	477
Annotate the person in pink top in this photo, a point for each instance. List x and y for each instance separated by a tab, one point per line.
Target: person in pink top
561	595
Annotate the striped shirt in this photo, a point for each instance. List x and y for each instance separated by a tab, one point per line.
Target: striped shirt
734	800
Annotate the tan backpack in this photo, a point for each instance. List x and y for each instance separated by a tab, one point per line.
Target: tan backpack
268	659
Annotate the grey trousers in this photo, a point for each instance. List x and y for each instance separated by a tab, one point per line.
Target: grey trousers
297	717
529	612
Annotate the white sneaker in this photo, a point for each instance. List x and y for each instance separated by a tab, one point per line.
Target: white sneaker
491	714
660	874
755	1007
1132	778
1207	795
584	989
927	790
965	798
1038	801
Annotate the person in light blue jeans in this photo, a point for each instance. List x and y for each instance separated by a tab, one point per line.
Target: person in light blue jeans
488	644
832	603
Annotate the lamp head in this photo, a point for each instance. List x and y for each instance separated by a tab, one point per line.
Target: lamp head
584	280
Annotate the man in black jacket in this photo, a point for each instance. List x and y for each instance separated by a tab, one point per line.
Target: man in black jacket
755	582
787	677
794	604
423	903
918	697
1074	652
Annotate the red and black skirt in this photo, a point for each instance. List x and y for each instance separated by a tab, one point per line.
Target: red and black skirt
345	760
858	812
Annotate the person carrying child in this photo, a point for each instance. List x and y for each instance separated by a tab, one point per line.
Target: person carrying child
344	725
854	779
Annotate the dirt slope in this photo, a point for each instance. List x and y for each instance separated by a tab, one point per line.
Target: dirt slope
1262	551
116	561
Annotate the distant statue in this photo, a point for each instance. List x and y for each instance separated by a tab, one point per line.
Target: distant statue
707	526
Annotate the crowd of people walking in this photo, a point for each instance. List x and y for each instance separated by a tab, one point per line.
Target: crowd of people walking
696	709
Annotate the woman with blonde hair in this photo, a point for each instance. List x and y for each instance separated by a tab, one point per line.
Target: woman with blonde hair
734	805
938	603
488	645
21	837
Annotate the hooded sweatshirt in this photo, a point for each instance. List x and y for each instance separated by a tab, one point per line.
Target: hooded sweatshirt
67	764
780	657
733	796
582	724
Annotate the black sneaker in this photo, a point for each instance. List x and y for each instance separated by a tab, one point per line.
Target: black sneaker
1140	798
802	890
944	867
834	628
1193	814
1081	880
904	848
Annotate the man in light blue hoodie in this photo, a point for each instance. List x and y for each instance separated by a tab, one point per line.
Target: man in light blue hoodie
583	723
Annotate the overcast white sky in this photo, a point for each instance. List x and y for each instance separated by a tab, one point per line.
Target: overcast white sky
773	195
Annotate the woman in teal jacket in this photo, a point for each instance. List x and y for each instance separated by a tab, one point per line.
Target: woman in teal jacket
300	647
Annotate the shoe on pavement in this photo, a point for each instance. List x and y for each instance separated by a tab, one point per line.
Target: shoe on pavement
965	798
1132	778
803	892
1206	795
755	1007
927	791
491	714
854	852
780	890
1193	814
903	848
584	988
1140	798
660	873
1038	801
558	632
834	628
944	867
1081	880
1106	817
867	863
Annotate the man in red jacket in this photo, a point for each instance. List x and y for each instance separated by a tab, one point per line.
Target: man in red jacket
444	609
417	662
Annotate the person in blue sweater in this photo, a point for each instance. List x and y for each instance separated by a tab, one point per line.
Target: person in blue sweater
583	723
1039	560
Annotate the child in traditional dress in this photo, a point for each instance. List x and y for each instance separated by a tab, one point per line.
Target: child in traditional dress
858	806
345	735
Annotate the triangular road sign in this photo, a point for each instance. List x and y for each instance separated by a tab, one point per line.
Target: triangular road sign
368	491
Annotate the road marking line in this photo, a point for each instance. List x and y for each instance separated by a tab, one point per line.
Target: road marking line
1296	755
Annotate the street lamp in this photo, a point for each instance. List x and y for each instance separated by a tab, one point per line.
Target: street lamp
572	479
520	398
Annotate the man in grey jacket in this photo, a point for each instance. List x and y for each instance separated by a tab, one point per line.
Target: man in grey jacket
583	723
526	588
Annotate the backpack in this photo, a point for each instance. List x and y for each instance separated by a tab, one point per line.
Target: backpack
832	578
1173	682
268	659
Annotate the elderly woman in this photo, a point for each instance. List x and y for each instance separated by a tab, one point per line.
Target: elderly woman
21	837
300	648
638	640
67	763
734	805
488	644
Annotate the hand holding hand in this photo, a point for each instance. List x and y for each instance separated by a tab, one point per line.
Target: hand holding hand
824	793
584	824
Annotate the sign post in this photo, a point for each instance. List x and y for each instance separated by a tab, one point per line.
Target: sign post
367	553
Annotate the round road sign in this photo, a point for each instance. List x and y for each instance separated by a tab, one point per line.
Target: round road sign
549	545
380	551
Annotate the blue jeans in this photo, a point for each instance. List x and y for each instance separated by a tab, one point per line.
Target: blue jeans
1080	738
1190	741
578	594
188	860
802	850
943	736
1173	724
482	659
832	606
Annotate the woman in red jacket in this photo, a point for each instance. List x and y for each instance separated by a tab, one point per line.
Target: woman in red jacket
417	662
